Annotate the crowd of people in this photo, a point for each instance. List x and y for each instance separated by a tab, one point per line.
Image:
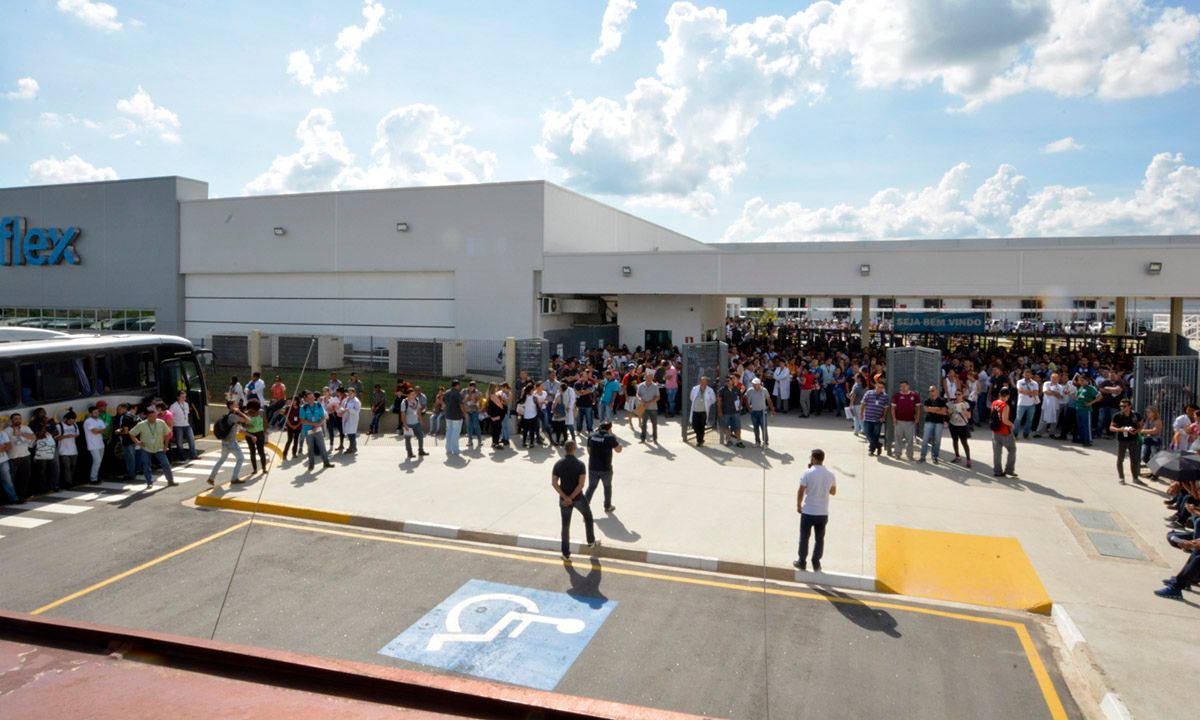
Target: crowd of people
43	453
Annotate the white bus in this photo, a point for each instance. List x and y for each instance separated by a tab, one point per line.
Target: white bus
75	371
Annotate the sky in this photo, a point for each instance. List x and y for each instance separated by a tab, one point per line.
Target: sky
747	121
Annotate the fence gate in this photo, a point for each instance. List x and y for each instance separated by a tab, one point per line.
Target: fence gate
1167	384
920	367
485	357
709	359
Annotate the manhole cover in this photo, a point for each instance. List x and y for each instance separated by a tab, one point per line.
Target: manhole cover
1115	546
1095	519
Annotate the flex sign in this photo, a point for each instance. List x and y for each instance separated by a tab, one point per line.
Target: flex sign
36	246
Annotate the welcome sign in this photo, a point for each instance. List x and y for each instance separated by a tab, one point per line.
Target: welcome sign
36	246
940	322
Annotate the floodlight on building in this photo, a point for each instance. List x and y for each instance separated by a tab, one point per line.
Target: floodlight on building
1154	268
401	227
280	231
864	269
626	270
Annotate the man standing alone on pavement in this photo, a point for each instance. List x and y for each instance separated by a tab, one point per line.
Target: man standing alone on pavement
760	405
905	407
567	478
729	401
456	412
600	447
702	399
817	484
1002	435
647	396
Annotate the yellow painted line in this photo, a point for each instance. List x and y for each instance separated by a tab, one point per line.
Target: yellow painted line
301	513
1045	684
1053	703
975	569
133	571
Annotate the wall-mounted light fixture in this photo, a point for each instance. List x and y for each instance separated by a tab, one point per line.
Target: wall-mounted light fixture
280	231
626	270
1154	268
864	269
402	227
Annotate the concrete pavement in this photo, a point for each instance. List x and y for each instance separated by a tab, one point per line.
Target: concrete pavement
1066	510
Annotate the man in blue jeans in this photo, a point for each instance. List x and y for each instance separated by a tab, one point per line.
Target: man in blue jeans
1173	587
874	406
936	413
150	437
585	394
817	485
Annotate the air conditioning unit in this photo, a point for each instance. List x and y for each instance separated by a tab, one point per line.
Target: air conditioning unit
550	306
323	352
427	358
235	350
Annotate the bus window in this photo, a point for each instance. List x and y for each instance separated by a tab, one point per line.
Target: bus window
126	370
146	370
66	379
9	392
30	391
103	378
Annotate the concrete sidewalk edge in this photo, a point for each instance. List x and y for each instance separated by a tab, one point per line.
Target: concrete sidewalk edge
1080	655
535	542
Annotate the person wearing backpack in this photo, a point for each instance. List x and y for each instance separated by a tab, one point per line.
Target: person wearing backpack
225	429
1001	424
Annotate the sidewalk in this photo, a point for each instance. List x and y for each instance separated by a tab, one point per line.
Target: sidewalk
738	507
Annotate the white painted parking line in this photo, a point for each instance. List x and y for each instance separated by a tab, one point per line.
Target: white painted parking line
117	497
56	508
74	495
18	521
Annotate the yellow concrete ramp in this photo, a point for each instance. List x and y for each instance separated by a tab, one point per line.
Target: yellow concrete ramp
976	569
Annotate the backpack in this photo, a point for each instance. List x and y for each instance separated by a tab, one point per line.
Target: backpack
994	421
222	427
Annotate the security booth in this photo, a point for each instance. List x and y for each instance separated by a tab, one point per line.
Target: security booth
704	359
920	367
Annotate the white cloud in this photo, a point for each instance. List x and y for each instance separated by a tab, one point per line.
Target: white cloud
686	129
51	119
99	15
1066	144
51	171
4	139
983	51
612	25
27	89
142	115
414	145
302	68
1167	202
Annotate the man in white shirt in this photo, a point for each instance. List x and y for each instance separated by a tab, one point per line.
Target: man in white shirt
783	385
6	485
702	400
256	389
1028	398
1179	436
93	435
817	485
68	451
182	429
1052	402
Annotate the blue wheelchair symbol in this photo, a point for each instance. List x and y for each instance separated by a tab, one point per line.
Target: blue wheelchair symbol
502	632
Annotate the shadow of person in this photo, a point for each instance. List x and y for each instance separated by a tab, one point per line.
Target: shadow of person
656	449
456	461
860	613
1017	483
613	528
586	588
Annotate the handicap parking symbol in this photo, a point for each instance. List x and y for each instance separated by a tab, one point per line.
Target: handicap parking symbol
506	633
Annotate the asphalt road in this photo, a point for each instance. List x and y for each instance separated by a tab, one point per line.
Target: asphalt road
674	640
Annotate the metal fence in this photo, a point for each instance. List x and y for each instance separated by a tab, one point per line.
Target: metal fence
699	359
533	356
1167	384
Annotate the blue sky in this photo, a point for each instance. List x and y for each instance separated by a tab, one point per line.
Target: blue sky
746	121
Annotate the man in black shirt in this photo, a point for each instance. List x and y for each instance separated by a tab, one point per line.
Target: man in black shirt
600	447
1125	425
567	478
936	414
